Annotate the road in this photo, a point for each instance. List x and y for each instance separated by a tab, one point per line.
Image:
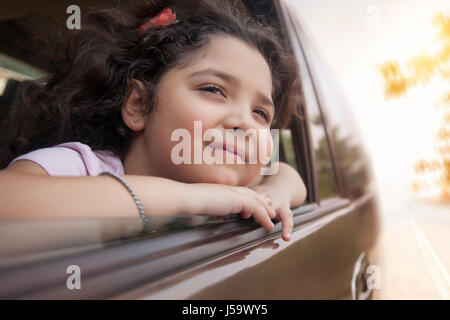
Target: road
413	249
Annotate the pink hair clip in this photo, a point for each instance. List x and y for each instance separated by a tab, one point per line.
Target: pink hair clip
164	18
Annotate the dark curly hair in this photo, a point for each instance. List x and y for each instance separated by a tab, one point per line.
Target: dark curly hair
89	76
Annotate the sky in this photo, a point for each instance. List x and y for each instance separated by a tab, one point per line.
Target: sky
354	36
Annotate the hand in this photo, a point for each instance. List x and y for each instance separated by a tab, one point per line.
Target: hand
221	200
280	203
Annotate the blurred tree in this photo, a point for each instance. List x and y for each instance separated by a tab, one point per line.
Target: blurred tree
420	69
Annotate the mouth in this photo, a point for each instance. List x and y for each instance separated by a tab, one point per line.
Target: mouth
234	151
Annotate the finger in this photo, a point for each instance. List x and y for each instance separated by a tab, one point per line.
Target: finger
260	198
264	218
270	211
260	215
245	215
287	220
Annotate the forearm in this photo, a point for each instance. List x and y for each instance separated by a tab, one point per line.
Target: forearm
32	196
287	181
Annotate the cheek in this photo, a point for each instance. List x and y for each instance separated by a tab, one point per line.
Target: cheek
196	119
193	109
163	124
158	132
190	103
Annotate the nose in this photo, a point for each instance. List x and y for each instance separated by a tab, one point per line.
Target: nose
238	120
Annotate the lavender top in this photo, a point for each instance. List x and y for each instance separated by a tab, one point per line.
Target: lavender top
73	159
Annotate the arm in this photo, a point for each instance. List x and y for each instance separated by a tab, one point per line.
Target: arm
35	196
27	191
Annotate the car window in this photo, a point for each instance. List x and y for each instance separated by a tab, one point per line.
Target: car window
326	178
294	150
324	166
287	148
100	233
351	159
324	169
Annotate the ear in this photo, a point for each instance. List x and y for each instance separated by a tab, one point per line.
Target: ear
134	106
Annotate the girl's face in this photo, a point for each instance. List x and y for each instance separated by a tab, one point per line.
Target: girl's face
228	86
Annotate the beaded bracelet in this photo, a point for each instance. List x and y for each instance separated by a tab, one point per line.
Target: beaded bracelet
138	203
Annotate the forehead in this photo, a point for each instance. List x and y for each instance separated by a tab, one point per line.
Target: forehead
237	58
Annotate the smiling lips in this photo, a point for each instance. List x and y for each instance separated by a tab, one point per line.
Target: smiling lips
232	149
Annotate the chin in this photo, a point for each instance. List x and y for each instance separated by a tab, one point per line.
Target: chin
228	175
221	176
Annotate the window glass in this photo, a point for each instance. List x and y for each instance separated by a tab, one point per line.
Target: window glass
351	159
324	166
326	179
287	147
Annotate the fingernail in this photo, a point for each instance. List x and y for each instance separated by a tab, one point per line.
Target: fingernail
288	235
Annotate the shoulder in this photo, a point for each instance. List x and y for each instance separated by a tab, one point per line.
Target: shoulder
26	166
73	159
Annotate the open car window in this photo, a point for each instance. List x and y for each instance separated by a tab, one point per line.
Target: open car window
299	146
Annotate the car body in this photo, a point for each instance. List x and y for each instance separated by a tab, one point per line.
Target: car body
331	255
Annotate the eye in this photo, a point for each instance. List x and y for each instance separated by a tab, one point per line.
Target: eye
262	113
213	89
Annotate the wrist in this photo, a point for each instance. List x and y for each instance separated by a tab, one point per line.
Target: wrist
189	198
162	196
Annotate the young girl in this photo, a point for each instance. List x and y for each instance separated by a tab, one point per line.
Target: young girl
126	82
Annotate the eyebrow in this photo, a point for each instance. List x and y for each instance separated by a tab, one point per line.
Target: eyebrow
230	79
